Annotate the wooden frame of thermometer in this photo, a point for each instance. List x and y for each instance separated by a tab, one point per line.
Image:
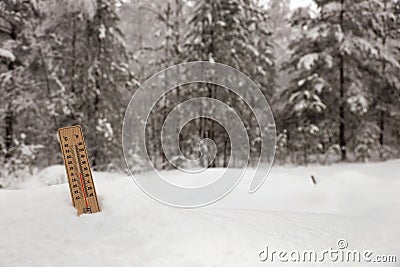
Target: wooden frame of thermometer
76	163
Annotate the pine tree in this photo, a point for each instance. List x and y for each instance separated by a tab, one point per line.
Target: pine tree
77	72
386	81
282	34
333	48
236	33
15	42
233	32
108	79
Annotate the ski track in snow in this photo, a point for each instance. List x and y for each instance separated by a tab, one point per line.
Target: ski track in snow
358	202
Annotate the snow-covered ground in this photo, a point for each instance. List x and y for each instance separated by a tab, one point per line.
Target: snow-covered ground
356	202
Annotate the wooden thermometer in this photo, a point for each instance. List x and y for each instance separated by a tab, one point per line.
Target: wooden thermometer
76	163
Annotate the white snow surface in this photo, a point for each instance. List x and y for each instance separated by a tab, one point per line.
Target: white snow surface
357	202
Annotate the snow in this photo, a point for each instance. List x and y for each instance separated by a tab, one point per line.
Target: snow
319	85
301	82
358	103
307	61
7	54
358	202
332	7
102	31
104	127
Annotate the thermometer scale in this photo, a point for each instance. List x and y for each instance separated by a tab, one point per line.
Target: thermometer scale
76	163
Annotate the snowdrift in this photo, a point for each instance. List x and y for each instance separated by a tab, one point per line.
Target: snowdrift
359	203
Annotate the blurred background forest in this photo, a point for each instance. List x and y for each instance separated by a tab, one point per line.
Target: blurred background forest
330	71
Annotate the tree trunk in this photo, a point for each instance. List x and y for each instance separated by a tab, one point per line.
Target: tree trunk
382	111
99	82
398	142
342	100
226	153
8	127
73	46
211	130
178	8
168	61
211	87
381	127
342	123
95	150
9	117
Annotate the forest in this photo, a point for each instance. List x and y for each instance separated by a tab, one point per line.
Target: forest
329	70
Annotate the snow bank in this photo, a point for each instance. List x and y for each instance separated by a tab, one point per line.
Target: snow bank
361	203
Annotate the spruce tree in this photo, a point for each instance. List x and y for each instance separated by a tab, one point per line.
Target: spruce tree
334	47
236	33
